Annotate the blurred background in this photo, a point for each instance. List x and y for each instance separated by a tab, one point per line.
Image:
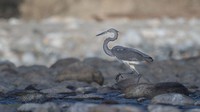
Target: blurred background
43	31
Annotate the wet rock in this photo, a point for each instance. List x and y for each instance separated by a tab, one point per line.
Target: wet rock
8	107
58	89
32	97
34	107
35	74
82	107
27	95
64	106
5	87
84	90
80	72
105	90
197	103
171	87
86	96
109	102
196	94
193	110
162	108
141	90
173	99
151	90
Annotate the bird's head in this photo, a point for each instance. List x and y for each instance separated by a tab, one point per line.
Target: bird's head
111	30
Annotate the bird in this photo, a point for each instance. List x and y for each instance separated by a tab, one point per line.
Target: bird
128	56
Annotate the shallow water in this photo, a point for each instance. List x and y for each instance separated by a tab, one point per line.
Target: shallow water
113	98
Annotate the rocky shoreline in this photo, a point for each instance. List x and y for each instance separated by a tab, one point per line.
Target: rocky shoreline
46	41
72	85
36	76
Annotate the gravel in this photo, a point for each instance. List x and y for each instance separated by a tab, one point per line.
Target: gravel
44	42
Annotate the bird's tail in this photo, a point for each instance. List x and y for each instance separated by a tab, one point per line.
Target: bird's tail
149	59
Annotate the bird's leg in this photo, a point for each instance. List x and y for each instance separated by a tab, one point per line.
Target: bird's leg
121	75
133	68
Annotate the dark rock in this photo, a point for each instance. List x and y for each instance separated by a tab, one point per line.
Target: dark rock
7	66
73	84
34	107
8	76
110	102
151	90
80	72
196	94
32	87
162	108
105	90
141	90
197	103
27	95
109	69
171	87
173	99
183	71
36	74
86	96
83	107
58	89
123	84
5	87
32	97
63	63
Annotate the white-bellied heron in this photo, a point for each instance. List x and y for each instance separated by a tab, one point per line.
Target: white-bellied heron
128	56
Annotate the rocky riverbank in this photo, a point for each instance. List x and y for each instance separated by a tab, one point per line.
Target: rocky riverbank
44	42
72	85
58	65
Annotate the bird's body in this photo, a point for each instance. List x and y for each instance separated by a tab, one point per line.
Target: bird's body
129	56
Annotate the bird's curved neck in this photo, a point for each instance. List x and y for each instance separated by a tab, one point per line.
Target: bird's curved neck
105	45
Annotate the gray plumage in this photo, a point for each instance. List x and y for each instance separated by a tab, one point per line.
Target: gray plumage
130	56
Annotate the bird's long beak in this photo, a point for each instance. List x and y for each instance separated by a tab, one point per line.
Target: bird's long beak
101	33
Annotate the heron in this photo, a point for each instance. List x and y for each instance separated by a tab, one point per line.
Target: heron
128	56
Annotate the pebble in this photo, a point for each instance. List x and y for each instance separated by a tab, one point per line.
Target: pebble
58	89
83	107
151	90
32	97
45	42
162	108
35	107
141	90
84	90
173	99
